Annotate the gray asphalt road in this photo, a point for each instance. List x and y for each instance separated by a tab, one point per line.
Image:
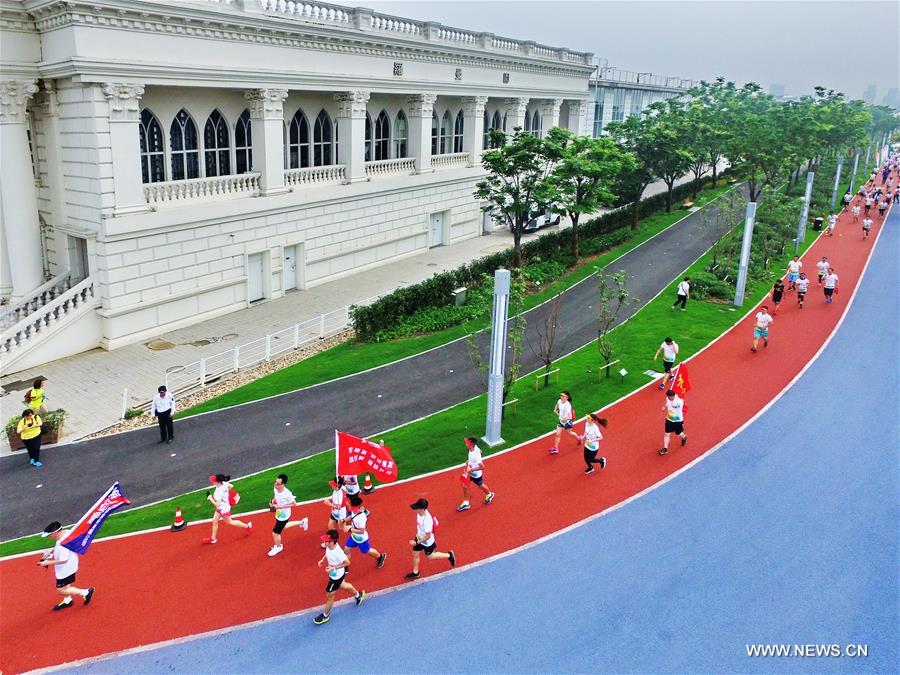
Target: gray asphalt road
255	436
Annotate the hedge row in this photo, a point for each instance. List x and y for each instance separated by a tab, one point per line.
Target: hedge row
379	319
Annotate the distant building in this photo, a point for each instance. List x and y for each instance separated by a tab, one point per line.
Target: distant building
869	93
892	98
776	90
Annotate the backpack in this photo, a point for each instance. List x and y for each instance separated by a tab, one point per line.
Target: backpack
233	497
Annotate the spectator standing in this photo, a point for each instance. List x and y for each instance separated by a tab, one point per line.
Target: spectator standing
162	409
29	430
34	397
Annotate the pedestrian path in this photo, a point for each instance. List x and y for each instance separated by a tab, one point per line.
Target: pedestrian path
90	385
164	571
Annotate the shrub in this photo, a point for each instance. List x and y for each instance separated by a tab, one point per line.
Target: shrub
538	272
433	319
53	419
706	285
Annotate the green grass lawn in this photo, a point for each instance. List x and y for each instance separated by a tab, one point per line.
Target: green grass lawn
352	356
435	443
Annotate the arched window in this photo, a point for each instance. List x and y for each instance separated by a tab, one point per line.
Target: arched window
215	145
446	131
497	122
458	132
536	124
322	140
368	138
153	156
401	133
434	133
382	136
183	144
298	141
243	145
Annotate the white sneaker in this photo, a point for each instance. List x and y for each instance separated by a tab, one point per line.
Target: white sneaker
275	550
304	523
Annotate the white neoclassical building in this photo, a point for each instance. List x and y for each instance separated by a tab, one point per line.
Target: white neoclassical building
167	162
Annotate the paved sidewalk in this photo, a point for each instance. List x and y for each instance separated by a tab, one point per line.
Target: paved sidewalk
90	385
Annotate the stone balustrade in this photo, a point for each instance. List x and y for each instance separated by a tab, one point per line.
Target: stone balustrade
315	175
391	25
238	185
309	11
45	293
391	167
450	161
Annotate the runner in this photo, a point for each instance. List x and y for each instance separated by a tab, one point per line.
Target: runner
674	409
669	349
65	564
592	438
281	504
831	284
778	293
474	473
856	210
761	327
336	564
221	499
802	287
866	226
793	271
847	198
882	206
869	202
337	504
350	485
425	540
832	221
566	414
359	537
822	268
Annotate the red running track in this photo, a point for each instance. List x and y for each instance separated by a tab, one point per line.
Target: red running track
159	586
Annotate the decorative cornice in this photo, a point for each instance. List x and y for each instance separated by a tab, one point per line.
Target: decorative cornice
14	95
420	105
15	20
473	106
550	107
266	103
352	104
124	101
516	107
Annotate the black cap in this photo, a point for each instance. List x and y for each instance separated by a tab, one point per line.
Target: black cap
52	528
671	392
420	503
161	389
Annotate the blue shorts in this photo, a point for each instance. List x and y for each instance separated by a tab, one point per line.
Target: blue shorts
363	547
568	424
761	333
792	276
477	481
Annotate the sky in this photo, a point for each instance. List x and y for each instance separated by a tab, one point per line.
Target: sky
843	44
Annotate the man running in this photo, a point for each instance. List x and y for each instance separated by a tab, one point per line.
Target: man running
802	287
832	221
474	473
793	271
425	540
761	327
669	349
869	202
856	210
65	564
866	227
822	268
336	563
359	537
831	284
882	206
674	409
281	504
778	293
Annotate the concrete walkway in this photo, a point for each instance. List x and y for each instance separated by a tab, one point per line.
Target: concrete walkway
90	385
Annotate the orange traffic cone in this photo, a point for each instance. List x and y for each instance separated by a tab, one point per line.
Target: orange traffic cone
367	487
180	523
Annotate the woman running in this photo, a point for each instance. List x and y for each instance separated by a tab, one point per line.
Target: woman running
221	499
778	293
592	438
566	415
337	504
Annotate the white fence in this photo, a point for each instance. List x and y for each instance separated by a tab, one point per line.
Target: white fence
264	349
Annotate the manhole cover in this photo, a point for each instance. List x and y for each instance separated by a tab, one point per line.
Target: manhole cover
200	343
229	336
159	345
431	265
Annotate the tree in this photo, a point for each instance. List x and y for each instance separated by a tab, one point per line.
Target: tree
634	135
613	299
710	105
584	173
668	132
516	183
546	338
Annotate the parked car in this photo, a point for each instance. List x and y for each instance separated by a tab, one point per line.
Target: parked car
539	220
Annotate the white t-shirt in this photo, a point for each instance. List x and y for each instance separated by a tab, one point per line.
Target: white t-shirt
70	566
867	223
474	461
359	522
794	266
684	288
351	485
763	320
336	556
565	410
830	280
282	511
220	495
338	510
592	435
802	285
856	210
869	201
832	219
822	266
669	351
674	409
425	529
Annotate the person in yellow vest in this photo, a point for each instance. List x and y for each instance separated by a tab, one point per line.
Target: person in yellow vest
29	430
34	397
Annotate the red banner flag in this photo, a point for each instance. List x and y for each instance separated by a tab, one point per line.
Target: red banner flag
357	455
682	382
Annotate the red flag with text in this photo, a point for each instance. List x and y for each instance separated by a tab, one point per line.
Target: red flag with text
682	383
357	455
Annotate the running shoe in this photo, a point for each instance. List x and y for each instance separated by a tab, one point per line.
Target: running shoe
663	451
304	523
463	507
380	562
412	575
590	469
752	349
684	440
554	451
89	596
275	550
359	597
322	618
603	462
249	529
31	461
38	464
452	559
765	343
489	498
662	385
62	605
209	540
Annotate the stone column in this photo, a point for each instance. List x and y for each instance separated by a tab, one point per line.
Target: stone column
578	112
515	110
55	180
267	137
351	120
124	141
550	114
6	286
473	131
419	108
18	196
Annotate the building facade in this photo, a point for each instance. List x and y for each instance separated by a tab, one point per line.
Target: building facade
165	163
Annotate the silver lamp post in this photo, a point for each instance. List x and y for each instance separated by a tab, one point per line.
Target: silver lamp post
744	265
804	216
499	319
